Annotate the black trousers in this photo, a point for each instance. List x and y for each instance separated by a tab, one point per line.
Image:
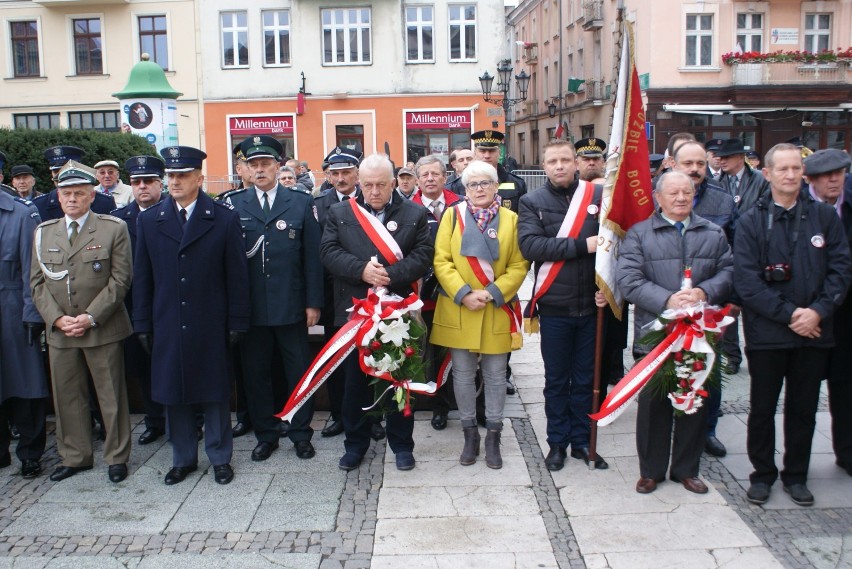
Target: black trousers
138	362
28	415
256	351
240	398
360	394
803	370
660	433
840	406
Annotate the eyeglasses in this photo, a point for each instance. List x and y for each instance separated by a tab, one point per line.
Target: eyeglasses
485	184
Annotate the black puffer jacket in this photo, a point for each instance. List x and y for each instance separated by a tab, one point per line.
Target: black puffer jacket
541	215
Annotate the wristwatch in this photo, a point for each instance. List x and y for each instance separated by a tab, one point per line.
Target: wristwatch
92	322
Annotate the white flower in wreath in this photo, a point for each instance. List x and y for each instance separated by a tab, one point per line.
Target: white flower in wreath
387	364
396	332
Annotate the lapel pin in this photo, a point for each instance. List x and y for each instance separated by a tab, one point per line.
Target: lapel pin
281	225
492	233
392	226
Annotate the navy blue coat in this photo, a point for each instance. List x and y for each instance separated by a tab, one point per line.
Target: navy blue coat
285	272
128	214
190	290
21	365
49	208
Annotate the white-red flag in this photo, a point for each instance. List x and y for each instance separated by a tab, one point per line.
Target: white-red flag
627	192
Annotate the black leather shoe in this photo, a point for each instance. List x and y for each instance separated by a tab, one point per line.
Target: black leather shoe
800	494
304	449
847	466
64	472
179	473
263	451
732	369
555	458
117	472
758	493
240	429
714	447
582	453
6	460
439	421
30	468
377	432
350	461
332	428
223	474
150	435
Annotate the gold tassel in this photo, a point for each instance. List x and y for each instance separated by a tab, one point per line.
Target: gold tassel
517	340
531	325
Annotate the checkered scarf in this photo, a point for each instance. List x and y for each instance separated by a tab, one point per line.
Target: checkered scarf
484	215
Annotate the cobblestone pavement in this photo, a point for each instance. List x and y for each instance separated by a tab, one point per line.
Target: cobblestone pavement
308	514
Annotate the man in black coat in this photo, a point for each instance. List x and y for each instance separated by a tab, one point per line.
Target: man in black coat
828	182
285	278
146	182
356	264
792	269
189	305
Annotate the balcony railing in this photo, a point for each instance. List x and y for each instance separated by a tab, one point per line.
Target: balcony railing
790	73
593	15
531	107
531	54
596	90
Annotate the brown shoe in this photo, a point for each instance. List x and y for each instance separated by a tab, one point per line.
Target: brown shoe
694	485
646	485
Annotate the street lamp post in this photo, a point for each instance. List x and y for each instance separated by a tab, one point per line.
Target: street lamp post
504	80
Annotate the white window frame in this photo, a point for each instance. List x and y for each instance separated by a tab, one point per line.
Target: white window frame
811	36
72	54
277	27
698	33
749	32
10	60
420	25
462	23
235	32
346	27
134	24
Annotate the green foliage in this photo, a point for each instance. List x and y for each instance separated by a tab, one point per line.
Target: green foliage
23	146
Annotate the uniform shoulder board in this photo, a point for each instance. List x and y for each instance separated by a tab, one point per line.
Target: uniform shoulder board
225	195
226	204
19	199
300	188
41	197
120	210
51	221
108	217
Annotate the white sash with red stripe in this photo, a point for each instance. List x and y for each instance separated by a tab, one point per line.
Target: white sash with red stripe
570	228
378	234
484	273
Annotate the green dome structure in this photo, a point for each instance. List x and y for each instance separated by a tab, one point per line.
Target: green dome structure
147	80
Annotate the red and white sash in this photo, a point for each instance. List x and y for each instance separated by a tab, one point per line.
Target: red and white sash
377	233
547	272
484	273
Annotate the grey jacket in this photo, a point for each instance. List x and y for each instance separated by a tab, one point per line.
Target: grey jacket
651	261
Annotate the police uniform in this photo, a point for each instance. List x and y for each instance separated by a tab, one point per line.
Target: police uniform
510	187
48	204
137	360
23	383
190	299
87	273
285	277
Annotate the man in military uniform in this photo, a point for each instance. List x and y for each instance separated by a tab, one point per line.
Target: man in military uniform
111	184
486	147
353	257
24	181
146	181
341	171
285	278
590	158
48	205
189	304
23	383
81	270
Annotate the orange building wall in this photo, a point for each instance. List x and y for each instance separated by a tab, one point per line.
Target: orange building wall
309	127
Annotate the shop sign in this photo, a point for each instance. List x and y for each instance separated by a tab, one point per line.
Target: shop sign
423	120
271	125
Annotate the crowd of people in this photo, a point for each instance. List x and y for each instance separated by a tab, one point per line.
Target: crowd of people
200	298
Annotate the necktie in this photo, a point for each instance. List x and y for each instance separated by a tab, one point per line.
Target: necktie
436	210
73	237
346	198
182	217
679	226
266	208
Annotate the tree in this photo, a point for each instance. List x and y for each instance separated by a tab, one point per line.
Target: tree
24	146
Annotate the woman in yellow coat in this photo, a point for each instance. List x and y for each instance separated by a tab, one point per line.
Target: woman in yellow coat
480	268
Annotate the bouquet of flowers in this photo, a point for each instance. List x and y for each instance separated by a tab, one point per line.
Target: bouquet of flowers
692	365
391	346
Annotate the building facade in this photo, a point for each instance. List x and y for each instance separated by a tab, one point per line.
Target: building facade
63	59
698	67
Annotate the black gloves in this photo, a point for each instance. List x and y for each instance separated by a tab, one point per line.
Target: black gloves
147	341
34	329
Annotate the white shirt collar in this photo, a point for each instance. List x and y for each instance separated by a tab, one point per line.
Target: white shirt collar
81	221
340	197
271	193
189	209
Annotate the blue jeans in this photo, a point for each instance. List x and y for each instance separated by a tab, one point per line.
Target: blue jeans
568	351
